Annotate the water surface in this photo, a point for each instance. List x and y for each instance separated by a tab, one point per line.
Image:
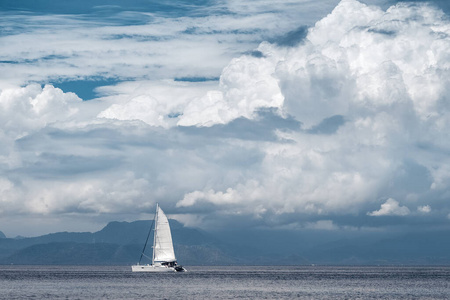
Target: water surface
302	282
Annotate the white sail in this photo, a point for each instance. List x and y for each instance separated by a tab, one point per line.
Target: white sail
162	244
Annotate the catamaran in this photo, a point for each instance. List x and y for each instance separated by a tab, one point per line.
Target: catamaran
163	259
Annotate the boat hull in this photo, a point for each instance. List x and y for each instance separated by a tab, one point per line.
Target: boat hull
153	268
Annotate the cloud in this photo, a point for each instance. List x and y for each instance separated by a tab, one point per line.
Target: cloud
424	209
322	225
151	46
390	208
248	192
33	107
24	111
380	71
157	103
354	111
246	86
359	59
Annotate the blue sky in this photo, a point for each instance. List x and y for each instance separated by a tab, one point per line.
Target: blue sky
329	115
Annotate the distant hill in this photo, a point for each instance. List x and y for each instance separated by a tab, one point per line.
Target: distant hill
121	243
117	243
2	235
330	247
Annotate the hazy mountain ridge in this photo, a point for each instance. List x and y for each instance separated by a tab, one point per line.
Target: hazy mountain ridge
116	243
121	243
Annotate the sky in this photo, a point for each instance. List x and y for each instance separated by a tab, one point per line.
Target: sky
294	114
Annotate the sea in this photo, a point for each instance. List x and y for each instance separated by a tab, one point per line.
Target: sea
226	282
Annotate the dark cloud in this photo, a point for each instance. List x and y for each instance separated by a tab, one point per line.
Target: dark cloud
262	128
382	31
328	126
256	53
411	177
196	79
292	38
49	166
203	31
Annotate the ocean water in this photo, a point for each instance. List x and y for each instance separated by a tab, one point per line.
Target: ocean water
293	282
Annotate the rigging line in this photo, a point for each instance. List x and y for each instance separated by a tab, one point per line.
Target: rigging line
146	256
145	245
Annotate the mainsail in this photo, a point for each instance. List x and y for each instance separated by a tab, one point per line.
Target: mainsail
162	240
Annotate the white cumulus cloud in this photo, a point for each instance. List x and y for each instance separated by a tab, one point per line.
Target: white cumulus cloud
424	209
385	72
390	208
33	107
358	59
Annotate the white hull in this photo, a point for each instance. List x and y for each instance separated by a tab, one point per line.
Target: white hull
151	268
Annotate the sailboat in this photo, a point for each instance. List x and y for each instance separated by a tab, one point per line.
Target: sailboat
163	259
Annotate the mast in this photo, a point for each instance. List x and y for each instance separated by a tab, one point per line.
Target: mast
154	234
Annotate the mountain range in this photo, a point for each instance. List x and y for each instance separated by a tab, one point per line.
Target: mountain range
121	243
